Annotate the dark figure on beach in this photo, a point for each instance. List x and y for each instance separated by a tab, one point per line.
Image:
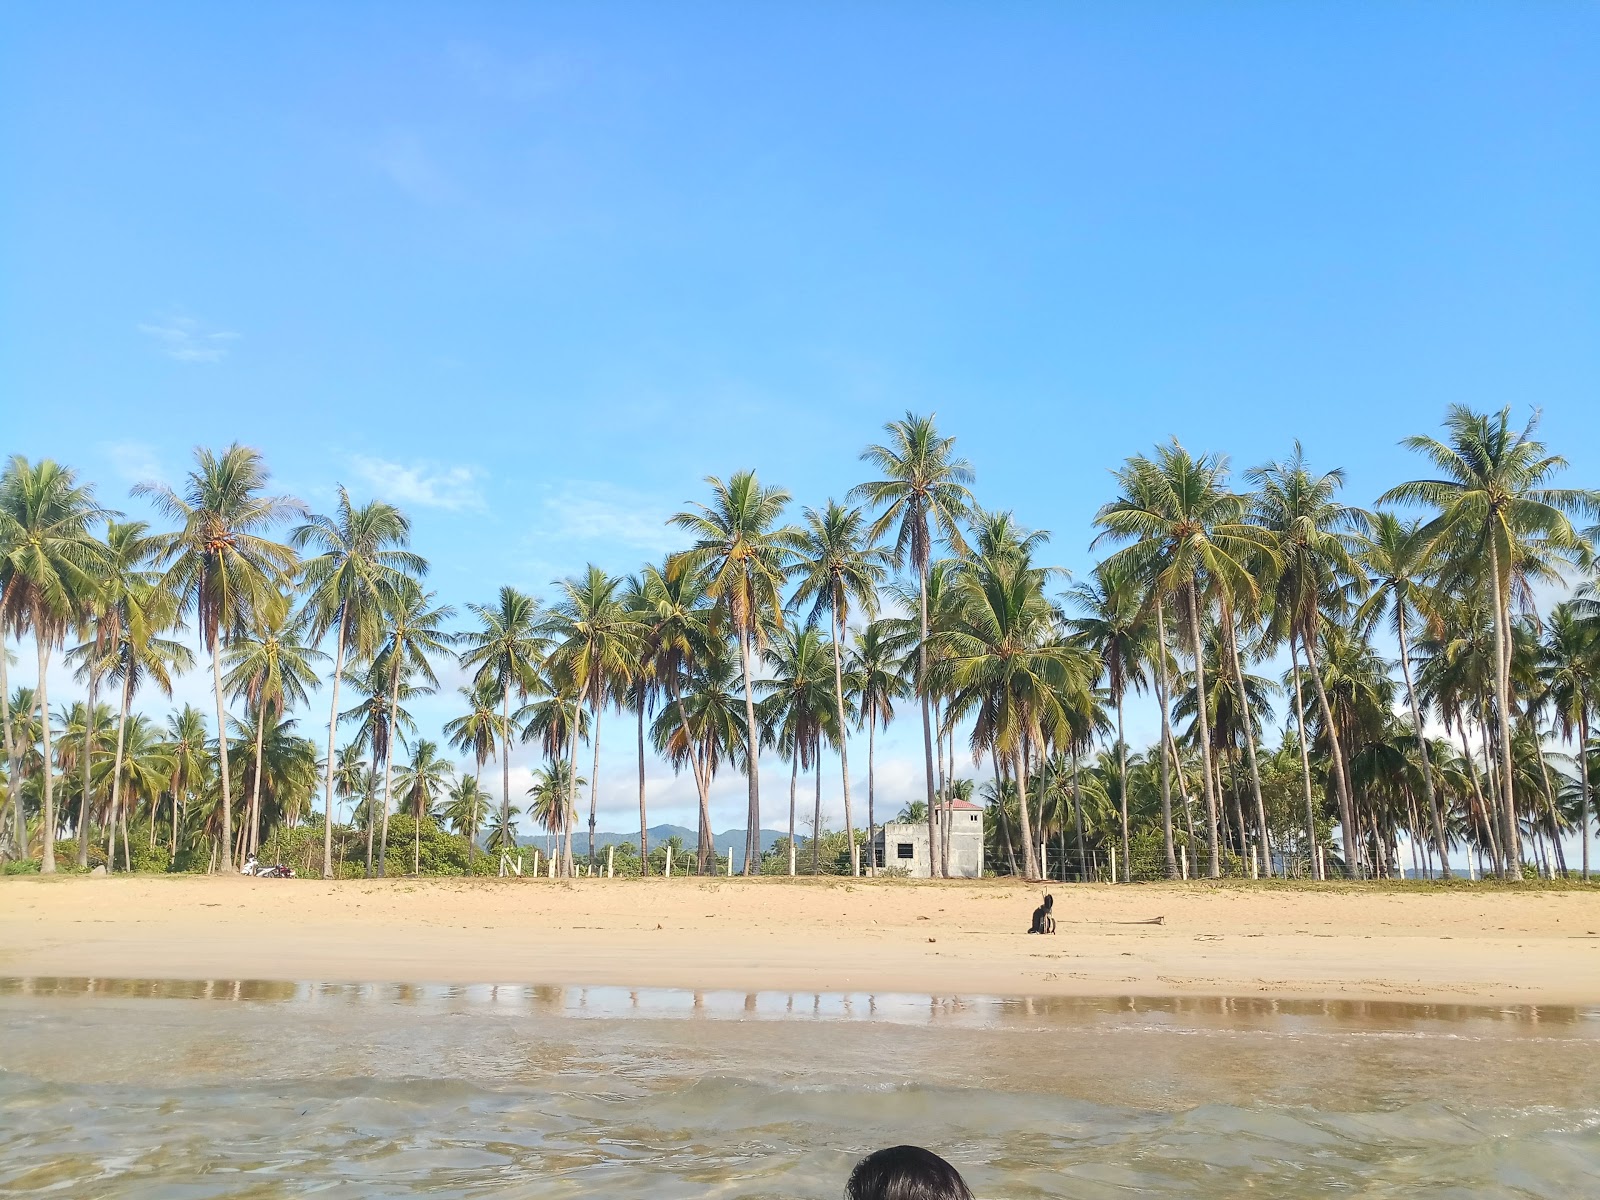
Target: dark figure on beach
905	1173
1043	922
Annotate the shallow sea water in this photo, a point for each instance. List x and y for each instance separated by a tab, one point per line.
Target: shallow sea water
249	1089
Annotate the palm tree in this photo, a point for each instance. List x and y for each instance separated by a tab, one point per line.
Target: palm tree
475	732
425	778
502	837
382	720
839	567
706	724
271	670
414	633
1570	667
138	772
505	652
358	574
599	643
744	556
467	807
188	742
1115	626
50	564
1391	552
1496	510
554	794
1187	529
875	669
221	564
796	711
923	489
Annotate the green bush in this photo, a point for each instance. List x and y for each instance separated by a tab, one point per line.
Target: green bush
21	866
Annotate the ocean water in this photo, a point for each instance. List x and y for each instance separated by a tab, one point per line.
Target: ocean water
250	1089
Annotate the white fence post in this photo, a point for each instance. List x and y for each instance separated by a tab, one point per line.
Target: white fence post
610	874
1183	862
1113	864
669	863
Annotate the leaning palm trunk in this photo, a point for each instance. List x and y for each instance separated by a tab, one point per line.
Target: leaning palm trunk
752	768
644	831
1206	775
226	798
116	779
13	768
1340	784
1429	795
333	725
47	822
1166	737
844	754
598	709
1502	700
388	767
927	722
1305	757
88	755
1249	742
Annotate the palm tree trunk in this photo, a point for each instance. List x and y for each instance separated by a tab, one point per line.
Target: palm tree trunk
472	825
13	766
47	831
794	780
927	719
872	837
703	847
1166	737
569	807
598	709
1000	814
116	776
752	768
388	767
88	755
226	798
1122	767
254	841
1030	852
1429	795
1077	820
1341	787
1249	741
1583	780
644	832
333	724
816	815
1502	698
1206	774
1305	756
844	752
416	834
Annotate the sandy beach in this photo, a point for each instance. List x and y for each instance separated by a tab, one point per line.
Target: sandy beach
1537	947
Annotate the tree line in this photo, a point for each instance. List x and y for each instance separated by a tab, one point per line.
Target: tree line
790	636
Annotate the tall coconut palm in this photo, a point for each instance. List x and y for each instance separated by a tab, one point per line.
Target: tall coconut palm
598	642
555	798
839	567
797	710
923	491
414	634
423	782
505	652
1570	674
680	629
744	555
875	665
476	732
1392	552
1497	515
382	722
1116	627
360	567
221	564
1187	531
272	670
51	561
706	725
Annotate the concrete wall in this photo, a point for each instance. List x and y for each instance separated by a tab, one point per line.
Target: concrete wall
965	847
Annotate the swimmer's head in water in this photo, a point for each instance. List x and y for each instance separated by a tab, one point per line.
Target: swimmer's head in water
905	1173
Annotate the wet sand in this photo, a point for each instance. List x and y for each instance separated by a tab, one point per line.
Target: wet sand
1460	946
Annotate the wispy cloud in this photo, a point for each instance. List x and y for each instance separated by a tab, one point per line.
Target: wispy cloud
584	511
430	485
187	340
410	167
134	462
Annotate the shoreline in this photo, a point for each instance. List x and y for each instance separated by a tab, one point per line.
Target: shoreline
834	935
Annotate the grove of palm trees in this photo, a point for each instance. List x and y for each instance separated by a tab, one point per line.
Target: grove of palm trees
1379	687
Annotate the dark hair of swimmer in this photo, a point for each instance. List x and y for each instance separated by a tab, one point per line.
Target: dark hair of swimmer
905	1173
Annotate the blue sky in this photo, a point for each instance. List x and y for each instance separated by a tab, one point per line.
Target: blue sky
533	271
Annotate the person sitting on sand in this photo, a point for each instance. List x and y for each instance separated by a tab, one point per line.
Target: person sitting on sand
905	1173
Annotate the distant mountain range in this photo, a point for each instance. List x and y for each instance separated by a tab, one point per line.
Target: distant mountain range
732	839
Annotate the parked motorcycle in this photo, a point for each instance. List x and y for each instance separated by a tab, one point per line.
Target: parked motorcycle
261	870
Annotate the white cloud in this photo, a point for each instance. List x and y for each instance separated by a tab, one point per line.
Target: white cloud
187	340
134	462
580	511
429	485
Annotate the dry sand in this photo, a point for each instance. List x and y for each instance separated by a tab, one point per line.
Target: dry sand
1536	947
